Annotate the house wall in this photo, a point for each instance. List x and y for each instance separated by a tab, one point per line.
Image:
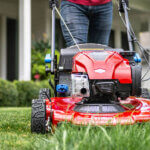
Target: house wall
39	11
3	46
9	8
0	49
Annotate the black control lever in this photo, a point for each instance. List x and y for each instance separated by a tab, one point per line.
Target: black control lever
121	4
47	70
53	3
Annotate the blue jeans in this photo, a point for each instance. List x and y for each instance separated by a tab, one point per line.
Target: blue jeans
88	24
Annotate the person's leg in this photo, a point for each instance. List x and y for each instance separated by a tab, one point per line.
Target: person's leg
100	24
76	20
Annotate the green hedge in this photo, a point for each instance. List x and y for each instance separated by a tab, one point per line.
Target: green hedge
26	92
38	63
20	93
8	93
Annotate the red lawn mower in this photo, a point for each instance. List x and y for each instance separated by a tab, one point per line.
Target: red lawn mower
94	84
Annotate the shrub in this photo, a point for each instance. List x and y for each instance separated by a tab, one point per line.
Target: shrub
8	93
45	84
38	63
41	45
27	90
20	93
40	70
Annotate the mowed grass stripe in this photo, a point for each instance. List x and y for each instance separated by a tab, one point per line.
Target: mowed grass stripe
15	134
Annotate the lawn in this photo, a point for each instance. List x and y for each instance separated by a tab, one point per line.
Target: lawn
15	134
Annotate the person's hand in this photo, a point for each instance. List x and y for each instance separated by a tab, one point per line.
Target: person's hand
53	3
121	6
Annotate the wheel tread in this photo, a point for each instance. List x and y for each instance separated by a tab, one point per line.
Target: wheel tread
44	93
38	117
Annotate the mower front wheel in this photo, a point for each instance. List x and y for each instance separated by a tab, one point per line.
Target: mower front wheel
39	124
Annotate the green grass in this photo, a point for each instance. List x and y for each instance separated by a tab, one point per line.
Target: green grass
15	134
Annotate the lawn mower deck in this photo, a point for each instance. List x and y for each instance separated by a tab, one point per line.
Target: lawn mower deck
133	110
47	115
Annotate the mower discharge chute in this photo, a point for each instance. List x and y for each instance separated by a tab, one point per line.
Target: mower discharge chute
94	84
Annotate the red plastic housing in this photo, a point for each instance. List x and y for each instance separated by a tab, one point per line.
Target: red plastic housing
111	65
63	111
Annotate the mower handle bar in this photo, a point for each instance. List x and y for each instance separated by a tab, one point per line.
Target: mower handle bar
53	4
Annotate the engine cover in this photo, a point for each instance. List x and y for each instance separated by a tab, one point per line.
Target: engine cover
103	65
111	74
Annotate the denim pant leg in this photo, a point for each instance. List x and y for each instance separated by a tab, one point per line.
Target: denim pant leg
100	24
77	22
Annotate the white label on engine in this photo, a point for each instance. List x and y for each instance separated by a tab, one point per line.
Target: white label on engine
100	71
80	85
